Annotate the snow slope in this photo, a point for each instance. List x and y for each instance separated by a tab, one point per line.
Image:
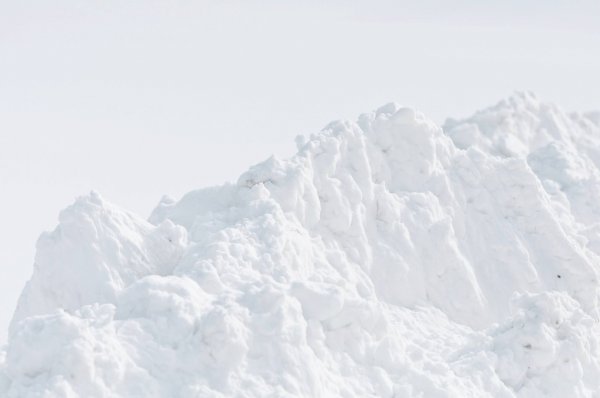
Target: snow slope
387	258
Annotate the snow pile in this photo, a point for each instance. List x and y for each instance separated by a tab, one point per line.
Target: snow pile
388	258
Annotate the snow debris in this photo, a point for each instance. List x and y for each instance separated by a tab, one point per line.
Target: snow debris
388	258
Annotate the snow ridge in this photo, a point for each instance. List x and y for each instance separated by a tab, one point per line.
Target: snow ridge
388	258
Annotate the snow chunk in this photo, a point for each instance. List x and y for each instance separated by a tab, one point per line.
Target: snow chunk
388	257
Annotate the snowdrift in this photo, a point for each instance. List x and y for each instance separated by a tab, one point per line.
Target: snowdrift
388	258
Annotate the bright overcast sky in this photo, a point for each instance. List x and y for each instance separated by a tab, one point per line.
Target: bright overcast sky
138	99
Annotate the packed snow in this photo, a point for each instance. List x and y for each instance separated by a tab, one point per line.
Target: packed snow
388	258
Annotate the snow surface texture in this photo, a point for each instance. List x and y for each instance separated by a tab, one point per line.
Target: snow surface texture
388	258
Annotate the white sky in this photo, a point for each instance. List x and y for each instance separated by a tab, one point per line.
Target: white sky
138	99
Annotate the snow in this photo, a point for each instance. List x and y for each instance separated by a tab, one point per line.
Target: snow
388	258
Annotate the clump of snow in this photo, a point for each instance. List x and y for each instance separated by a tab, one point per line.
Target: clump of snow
388	257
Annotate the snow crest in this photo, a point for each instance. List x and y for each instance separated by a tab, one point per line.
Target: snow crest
388	258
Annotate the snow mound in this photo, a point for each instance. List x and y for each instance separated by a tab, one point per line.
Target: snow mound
387	258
